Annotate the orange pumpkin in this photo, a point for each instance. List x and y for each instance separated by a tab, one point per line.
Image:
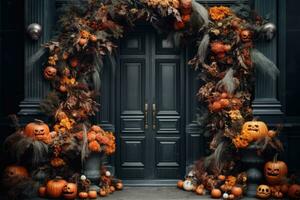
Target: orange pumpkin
180	184
119	185
200	190
221	177
84	195
257	129
216	106
112	189
92	194
50	72
216	193
70	191
13	171
294	191
284	188
240	141
275	171
246	35
55	187
42	191
37	130
236	191
102	193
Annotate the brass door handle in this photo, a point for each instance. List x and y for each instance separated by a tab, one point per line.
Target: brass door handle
146	116
154	116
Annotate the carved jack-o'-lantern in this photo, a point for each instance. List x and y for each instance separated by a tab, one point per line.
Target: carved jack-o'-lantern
13	171
50	72
245	35
37	130
275	171
70	191
257	129
263	192
294	191
240	141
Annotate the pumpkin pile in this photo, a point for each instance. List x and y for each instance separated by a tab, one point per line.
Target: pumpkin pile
60	188
226	187
277	186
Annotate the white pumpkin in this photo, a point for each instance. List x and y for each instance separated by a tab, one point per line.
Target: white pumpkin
188	185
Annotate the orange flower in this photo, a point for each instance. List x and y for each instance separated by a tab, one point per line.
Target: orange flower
219	12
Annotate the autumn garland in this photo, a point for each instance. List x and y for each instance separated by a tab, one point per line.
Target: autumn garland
225	58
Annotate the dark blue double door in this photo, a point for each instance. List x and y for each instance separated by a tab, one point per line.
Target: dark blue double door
150	108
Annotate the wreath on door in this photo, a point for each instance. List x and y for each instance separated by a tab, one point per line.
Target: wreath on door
225	60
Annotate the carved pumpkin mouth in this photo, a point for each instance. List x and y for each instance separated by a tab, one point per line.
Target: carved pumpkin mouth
253	129
66	192
272	174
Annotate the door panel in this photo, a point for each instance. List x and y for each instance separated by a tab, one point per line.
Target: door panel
150	140
133	86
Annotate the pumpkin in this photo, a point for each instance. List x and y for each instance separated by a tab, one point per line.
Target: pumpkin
13	171
70	191
112	189
263	192
180	184
57	162
245	35
102	193
230	180
257	129
221	177
84	195
188	185
50	72
216	106
225	195
55	187
231	196
224	103
240	141
200	190
275	171
236	191
42	191
216	193
92	194
37	130
119	185
284	188
277	195
294	191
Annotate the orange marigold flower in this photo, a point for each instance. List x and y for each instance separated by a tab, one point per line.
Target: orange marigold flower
219	12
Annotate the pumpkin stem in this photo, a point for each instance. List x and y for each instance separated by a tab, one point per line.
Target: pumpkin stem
275	158
39	121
